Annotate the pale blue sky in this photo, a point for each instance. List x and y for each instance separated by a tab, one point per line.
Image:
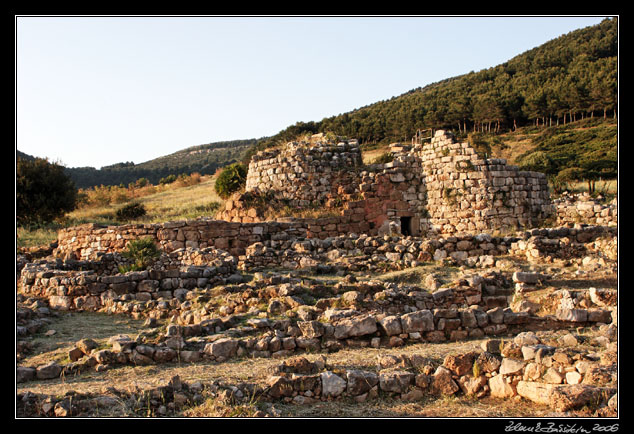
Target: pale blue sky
94	91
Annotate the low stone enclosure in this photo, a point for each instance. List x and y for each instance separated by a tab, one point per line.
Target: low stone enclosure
213	316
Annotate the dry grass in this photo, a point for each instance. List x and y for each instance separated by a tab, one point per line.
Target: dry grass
370	155
163	204
428	407
72	327
417	275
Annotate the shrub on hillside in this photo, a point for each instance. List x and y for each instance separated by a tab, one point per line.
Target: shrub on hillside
131	211
43	192
143	252
168	179
386	157
232	179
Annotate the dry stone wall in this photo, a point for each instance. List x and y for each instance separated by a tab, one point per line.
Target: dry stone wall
301	173
91	285
467	193
573	209
88	241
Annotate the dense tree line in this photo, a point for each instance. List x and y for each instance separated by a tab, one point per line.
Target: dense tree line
563	80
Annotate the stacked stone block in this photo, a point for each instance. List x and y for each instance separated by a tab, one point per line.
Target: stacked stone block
87	241
302	173
69	286
584	209
467	193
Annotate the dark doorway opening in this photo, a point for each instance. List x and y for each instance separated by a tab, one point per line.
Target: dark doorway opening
406	226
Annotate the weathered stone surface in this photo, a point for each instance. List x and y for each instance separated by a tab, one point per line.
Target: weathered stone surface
225	348
419	321
360	382
395	382
461	364
500	387
75	354
104	357
530	278
569	397
511	366
60	302
301	365
491	346
553	376
488	362
24	374
279	387
391	325
121	343
332	385
472	385
529	352
189	356
48	371
539	393
575	315
353	327
442	383
87	345
311	329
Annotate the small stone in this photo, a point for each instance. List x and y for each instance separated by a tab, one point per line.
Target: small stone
573	377
553	377
75	354
395	382
500	388
511	366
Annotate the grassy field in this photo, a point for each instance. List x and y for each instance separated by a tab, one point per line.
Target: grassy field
162	203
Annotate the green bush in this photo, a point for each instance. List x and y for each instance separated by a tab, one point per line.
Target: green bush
43	192
386	157
143	252
131	211
537	161
168	179
232	179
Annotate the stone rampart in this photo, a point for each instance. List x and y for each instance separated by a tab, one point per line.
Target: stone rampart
87	241
467	193
302	173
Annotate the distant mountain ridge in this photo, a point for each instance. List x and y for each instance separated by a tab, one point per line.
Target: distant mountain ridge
204	159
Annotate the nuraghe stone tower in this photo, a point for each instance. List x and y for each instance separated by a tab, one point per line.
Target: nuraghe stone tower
440	187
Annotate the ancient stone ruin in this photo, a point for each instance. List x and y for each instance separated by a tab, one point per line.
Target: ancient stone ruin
245	289
439	187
